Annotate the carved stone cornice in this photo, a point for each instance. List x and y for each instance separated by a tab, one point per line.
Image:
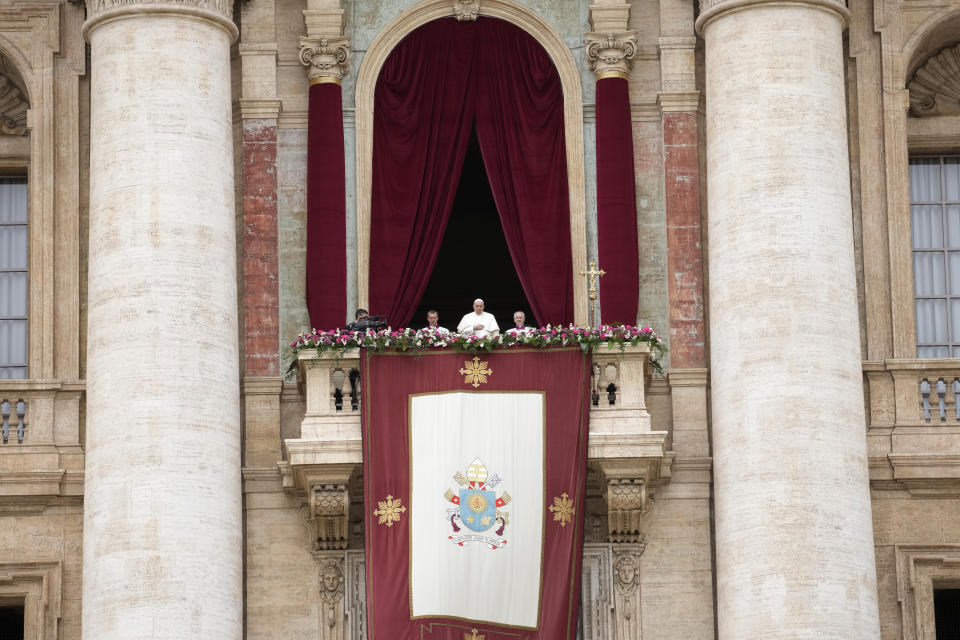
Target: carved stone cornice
466	10
935	85
610	54
222	7
327	59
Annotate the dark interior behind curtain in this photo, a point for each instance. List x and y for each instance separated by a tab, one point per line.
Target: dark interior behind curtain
429	91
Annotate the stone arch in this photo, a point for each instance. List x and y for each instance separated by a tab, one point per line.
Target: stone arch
939	30
555	46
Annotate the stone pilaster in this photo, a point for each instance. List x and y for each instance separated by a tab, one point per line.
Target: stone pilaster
794	539
162	512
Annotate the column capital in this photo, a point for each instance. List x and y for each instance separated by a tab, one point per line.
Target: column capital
610	54
327	58
220	11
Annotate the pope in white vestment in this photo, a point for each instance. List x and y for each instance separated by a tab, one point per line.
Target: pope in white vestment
479	323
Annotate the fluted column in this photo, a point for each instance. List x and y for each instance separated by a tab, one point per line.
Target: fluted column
162	513
794	542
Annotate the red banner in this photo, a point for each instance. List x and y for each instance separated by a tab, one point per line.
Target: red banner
474	484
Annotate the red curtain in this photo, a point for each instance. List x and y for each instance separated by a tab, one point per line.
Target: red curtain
326	209
441	80
616	204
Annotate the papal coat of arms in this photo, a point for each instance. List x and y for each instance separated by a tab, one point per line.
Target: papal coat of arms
476	506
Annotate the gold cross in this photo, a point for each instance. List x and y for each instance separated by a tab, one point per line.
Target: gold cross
592	275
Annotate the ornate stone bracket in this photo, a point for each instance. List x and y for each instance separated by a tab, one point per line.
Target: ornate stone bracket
327	59
327	515
466	10
935	86
629	502
610	54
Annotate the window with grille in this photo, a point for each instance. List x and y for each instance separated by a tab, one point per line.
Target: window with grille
935	223
13	278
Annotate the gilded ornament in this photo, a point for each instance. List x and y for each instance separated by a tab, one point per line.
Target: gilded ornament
389	510
562	509
475	372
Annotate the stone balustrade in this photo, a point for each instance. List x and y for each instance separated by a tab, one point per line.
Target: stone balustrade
914	434
40	426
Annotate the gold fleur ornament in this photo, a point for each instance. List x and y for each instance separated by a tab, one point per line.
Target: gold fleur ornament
389	510
475	372
562	509
474	635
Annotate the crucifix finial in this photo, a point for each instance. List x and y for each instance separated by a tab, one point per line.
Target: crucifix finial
592	274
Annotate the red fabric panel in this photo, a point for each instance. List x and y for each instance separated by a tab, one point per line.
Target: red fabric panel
261	296
389	379
326	209
520	130
427	94
616	204
423	110
684	254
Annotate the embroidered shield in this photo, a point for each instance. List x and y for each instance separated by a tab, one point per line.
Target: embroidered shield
478	509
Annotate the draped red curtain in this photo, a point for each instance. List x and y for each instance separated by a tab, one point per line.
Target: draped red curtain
441	80
616	204
326	208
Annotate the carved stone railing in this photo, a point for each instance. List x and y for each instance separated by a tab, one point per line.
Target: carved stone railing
40	451
914	435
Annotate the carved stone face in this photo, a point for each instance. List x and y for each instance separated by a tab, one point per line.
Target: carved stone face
331	581
627	573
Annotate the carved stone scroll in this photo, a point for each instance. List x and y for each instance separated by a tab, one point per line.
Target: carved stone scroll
935	86
329	508
610	54
326	59
627	504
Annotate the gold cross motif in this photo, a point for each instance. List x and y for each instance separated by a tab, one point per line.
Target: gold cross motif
563	509
389	510
473	635
592	274
475	372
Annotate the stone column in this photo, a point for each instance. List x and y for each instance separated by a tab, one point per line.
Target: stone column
794	540
162	516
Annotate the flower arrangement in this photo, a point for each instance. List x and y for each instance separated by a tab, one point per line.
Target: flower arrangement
588	339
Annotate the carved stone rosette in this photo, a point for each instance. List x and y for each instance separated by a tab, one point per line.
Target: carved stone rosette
627	504
610	54
466	10
326	59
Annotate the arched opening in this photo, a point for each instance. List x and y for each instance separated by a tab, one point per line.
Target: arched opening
453	285
446	79
569	75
